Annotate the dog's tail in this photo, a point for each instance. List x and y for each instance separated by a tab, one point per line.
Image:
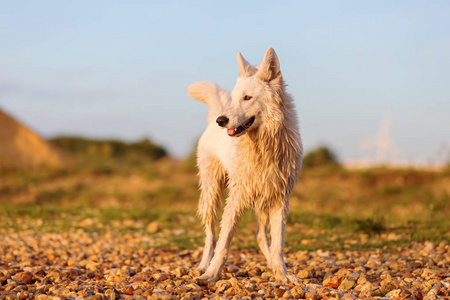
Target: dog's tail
209	93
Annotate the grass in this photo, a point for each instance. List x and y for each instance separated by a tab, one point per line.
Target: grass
380	293
330	208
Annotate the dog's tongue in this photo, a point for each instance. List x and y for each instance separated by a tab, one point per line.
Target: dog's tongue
231	131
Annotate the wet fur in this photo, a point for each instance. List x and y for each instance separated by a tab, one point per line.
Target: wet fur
259	167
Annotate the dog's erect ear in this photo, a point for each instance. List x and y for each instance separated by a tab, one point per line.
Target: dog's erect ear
270	66
245	69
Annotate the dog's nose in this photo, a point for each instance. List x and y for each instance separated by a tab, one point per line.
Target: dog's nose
222	121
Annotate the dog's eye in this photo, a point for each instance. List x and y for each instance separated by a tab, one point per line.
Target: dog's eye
247	97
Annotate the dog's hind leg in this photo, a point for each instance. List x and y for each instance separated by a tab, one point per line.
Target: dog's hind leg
212	179
231	215
261	236
277	230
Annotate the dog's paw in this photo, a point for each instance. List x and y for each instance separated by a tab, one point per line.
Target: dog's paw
287	278
206	278
200	268
292	278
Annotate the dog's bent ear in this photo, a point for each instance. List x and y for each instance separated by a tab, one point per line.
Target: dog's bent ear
245	69
270	66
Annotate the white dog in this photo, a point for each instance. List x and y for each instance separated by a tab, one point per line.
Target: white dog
254	149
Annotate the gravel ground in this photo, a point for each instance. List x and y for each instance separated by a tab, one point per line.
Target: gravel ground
82	265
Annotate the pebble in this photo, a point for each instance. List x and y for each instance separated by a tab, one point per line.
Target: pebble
154	227
304	274
333	281
346	285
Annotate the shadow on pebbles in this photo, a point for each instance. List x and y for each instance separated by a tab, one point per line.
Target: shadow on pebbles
80	265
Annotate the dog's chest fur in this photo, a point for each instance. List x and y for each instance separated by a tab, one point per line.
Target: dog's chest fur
261	164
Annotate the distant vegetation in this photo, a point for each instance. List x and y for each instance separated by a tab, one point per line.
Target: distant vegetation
330	208
112	184
320	157
109	148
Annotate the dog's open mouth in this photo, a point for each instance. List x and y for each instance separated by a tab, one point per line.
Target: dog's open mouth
246	125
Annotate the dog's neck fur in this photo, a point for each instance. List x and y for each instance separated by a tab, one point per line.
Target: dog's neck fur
275	137
276	148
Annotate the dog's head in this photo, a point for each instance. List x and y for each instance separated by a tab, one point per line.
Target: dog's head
255	97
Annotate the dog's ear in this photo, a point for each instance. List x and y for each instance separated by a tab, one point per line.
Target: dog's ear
270	66
245	69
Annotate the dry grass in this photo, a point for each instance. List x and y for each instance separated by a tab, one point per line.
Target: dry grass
330	207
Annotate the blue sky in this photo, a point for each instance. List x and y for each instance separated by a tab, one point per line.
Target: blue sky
120	69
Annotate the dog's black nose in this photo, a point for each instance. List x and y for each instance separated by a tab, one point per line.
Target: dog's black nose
222	121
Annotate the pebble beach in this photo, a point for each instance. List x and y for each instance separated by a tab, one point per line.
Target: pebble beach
89	265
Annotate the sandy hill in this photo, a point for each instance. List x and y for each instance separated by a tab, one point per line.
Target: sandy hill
20	147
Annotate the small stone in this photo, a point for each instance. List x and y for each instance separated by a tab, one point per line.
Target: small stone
365	295
232	269
399	294
389	284
278	292
288	295
343	272
417	293
353	276
154	227
129	291
444	292
180	272
93	297
254	272
297	292
112	294
367	287
303	274
9	288
53	274
146	294
27	278
346	285
361	280
194	287
267	276
349	297
222	285
194	272
182	289
116	278
311	295
333	281
160	277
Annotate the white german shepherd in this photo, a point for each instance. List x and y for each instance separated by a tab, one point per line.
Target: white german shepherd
254	149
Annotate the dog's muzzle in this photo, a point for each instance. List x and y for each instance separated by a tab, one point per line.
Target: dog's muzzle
246	125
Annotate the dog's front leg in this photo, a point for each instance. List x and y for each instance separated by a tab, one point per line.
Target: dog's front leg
231	215
210	244
212	179
278	227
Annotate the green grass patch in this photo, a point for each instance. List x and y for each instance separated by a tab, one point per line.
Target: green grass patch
380	293
331	209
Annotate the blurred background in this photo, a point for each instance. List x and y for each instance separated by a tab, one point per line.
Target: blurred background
94	112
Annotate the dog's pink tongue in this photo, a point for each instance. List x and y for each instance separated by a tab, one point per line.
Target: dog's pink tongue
231	131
